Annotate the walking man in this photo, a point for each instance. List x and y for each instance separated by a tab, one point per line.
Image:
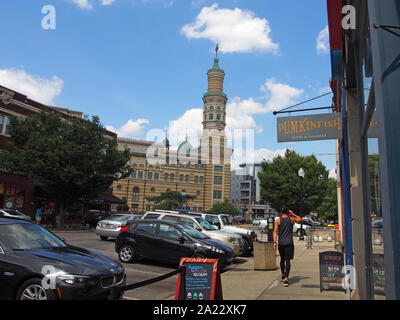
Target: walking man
283	240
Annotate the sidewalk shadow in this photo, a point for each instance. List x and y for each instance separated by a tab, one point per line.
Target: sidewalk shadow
297	279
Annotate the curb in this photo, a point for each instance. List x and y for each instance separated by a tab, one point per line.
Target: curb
72	231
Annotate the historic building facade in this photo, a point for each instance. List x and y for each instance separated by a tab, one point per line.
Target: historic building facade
203	172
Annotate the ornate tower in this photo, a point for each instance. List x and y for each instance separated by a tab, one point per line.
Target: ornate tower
213	143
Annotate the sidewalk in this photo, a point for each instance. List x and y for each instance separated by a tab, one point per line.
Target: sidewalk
245	283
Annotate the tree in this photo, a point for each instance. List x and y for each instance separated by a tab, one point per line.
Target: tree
71	158
225	207
170	200
280	183
328	210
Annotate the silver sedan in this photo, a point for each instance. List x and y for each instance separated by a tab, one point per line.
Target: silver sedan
111	226
13	213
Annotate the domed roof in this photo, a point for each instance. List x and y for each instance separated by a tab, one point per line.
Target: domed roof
185	147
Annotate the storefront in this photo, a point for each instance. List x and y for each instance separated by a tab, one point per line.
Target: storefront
365	61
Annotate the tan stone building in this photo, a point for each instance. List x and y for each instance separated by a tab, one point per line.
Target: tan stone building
203	172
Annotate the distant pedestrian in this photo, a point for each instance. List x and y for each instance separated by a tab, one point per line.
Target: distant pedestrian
283	240
39	214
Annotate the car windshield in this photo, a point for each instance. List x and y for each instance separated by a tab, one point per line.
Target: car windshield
204	224
21	236
14	212
192	232
119	217
226	221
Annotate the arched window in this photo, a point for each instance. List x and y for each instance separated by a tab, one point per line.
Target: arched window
152	190
218	108
211	116
135	194
211	108
218	116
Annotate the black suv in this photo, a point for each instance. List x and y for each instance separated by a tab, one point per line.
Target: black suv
167	241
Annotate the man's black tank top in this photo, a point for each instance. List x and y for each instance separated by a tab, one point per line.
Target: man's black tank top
285	232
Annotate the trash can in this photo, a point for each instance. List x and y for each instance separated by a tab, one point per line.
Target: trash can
264	256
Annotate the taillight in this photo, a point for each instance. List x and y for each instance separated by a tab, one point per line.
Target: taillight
124	229
99	224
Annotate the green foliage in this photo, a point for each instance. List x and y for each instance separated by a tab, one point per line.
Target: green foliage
280	183
170	200
328	210
225	207
71	159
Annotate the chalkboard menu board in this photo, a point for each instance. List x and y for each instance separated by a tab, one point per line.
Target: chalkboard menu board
331	265
378	269
201	280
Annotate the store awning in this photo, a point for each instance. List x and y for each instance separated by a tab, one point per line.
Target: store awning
109	198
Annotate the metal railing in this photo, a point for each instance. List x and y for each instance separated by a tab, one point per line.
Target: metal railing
323	237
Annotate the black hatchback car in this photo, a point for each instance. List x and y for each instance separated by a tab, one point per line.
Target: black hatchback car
37	265
166	241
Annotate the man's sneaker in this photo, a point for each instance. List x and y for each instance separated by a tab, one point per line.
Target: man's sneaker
286	283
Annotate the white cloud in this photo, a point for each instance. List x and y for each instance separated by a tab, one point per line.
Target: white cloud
254	156
323	41
235	30
88	4
190	124
240	113
132	129
83	4
35	87
107	2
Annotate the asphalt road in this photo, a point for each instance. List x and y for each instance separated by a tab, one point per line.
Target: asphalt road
136	272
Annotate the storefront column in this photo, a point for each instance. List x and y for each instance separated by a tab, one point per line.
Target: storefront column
386	69
356	193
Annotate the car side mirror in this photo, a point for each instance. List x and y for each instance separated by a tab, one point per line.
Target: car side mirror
181	239
218	225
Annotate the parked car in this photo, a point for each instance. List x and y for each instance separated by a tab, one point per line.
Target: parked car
37	265
233	241
238	219
167	241
223	223
14	213
110	226
93	217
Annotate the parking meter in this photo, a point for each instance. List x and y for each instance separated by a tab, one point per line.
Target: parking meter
270	230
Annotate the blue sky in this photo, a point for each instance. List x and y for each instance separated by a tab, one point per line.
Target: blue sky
140	65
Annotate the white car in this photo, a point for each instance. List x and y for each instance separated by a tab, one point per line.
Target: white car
223	223
297	227
258	222
13	213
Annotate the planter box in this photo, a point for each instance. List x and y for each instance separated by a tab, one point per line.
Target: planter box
264	256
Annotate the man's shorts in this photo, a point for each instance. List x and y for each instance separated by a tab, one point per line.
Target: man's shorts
286	251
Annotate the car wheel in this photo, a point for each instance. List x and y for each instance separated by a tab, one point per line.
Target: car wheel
33	290
126	253
298	233
104	238
246	249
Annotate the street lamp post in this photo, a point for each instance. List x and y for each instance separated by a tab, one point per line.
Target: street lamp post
301	174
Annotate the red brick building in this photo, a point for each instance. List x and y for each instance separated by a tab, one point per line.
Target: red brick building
15	189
